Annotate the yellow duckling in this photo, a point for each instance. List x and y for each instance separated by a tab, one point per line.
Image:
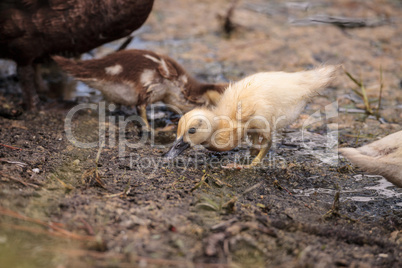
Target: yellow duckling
383	157
256	106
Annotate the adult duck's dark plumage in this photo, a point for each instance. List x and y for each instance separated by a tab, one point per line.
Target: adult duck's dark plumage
31	30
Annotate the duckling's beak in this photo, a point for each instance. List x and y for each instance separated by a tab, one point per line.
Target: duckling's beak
178	147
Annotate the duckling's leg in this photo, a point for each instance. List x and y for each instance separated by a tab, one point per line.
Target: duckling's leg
26	74
255	139
143	113
39	83
265	145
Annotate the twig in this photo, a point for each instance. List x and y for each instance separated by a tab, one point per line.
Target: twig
88	227
276	183
123	193
21	164
230	205
99	152
94	171
252	188
177	181
58	230
362	94
357	138
228	25
65	185
334	211
343	22
114	195
220	183
127	189
380	97
97	176
200	183
351	111
20	181
10	147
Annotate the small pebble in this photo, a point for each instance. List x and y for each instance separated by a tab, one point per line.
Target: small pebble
36	170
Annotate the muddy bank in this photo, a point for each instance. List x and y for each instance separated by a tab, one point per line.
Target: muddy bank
62	205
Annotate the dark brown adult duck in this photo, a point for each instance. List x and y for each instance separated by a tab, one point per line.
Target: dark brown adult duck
31	30
141	77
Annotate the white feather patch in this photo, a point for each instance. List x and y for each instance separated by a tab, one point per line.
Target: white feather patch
161	62
152	58
147	77
114	70
184	79
164	66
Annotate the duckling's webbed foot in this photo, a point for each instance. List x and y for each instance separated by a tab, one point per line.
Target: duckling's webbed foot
265	145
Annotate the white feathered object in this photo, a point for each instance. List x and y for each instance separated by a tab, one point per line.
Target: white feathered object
382	157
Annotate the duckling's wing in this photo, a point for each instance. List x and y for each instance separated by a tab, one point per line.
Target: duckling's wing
167	70
164	65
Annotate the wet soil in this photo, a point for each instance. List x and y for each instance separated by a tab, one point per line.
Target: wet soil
126	206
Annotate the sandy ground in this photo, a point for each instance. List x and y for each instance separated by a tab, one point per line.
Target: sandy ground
65	206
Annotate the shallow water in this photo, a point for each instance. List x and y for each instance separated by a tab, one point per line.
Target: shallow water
380	191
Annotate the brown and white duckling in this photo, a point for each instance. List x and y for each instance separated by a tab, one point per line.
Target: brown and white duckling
382	157
255	106
141	77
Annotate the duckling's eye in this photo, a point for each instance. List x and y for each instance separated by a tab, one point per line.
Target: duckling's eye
192	130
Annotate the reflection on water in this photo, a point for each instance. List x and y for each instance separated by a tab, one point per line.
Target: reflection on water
382	189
